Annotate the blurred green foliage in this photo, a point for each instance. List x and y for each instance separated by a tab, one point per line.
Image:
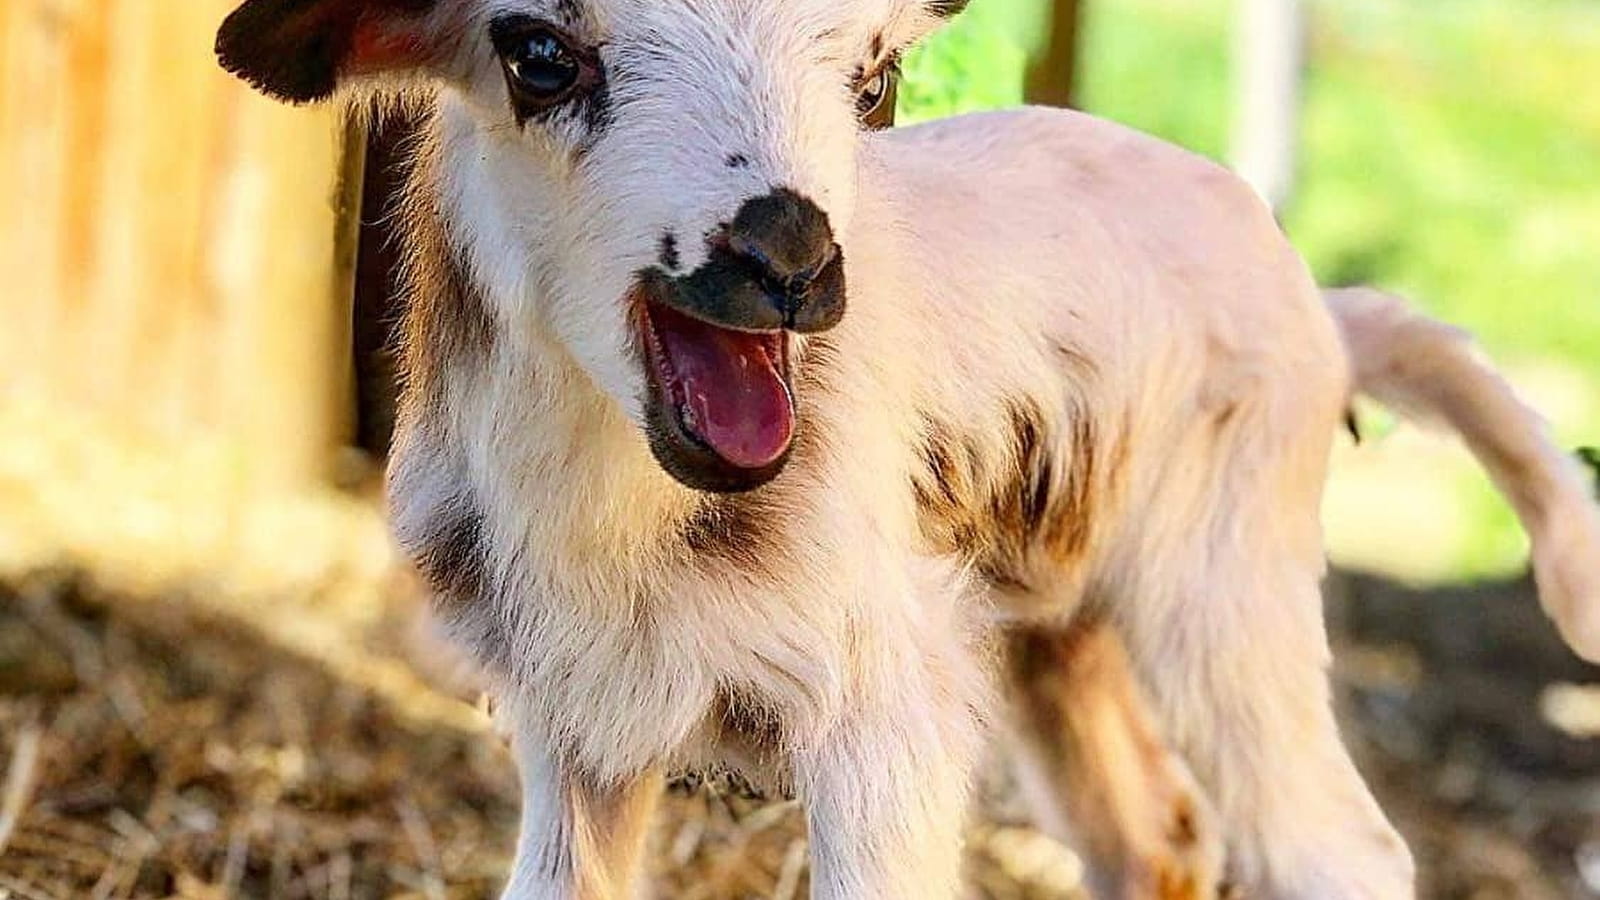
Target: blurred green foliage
1451	152
977	63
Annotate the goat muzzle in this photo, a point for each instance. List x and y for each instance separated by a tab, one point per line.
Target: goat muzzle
775	268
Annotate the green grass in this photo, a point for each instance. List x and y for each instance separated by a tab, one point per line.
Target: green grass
1451	152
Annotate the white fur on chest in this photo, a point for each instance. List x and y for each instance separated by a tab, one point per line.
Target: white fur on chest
625	681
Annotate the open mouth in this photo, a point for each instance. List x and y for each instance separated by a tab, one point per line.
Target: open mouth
722	411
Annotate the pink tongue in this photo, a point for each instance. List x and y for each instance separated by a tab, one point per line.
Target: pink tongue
733	398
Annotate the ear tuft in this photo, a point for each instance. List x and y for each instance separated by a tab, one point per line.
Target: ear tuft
298	50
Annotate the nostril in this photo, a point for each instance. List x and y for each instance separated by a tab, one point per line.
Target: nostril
755	256
799	284
829	254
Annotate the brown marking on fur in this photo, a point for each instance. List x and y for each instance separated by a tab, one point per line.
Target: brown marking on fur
446	336
951	498
452	558
748	530
449	325
732	529
448	329
1039	500
943	491
449	549
1071	520
940	457
1089	483
1002	513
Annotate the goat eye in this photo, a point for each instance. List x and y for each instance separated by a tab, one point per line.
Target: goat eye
875	98
543	67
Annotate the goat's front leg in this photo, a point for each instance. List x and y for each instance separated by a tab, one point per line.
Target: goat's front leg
579	840
885	816
886	797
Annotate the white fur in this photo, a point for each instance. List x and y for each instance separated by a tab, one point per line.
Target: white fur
1140	297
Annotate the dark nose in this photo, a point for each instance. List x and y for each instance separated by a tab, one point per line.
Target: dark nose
785	244
776	266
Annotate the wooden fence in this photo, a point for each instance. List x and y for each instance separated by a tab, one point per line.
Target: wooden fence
175	252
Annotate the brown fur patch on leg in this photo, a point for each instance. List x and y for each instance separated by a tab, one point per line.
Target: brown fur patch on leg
1133	808
613	829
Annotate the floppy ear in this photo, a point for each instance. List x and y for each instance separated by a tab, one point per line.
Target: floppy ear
301	51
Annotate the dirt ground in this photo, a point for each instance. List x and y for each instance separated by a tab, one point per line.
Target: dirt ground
155	747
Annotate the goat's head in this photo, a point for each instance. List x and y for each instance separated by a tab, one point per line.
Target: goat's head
661	185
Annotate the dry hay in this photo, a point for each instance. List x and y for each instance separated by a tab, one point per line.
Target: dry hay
157	750
156	747
180	755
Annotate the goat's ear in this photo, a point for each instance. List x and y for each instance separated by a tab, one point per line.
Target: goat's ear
301	51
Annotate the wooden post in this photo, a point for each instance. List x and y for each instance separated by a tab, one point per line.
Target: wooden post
285	276
1051	77
32	109
1269	47
176	253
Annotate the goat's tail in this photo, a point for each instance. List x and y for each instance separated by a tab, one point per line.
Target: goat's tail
1429	370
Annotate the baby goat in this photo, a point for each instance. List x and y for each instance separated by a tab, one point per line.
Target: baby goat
687	509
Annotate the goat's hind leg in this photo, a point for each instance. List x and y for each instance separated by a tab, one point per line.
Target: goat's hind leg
1252	715
1222	613
1098	772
